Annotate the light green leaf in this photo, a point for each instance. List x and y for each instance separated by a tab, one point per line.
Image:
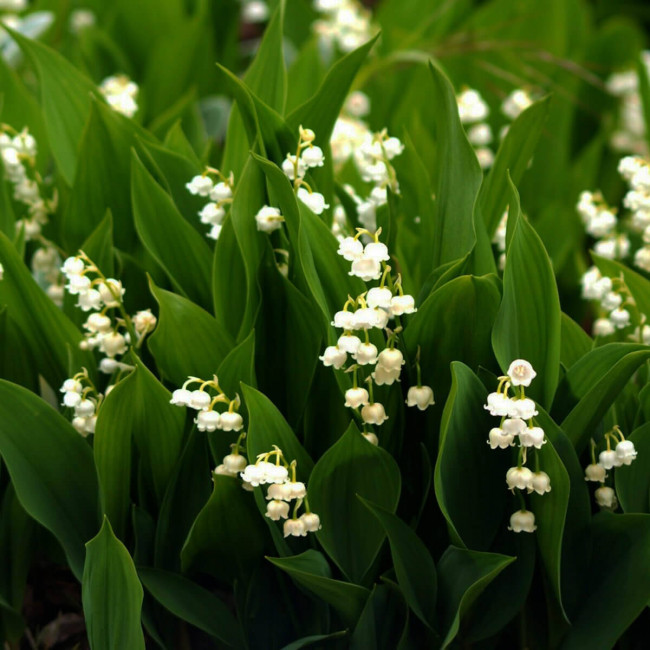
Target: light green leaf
179	353
181	252
310	570
111	594
39	447
528	325
350	535
575	342
193	604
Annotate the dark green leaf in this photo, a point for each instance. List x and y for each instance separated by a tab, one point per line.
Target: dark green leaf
382	621
633	482
575	342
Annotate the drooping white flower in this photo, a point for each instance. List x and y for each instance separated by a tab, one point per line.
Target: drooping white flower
366	354
522	521
144	321
313	200
113	344
374	413
376	251
540	483
181	397
620	317
532	437
381	376
603	327
199	400
523	408
521	372
400	305
606	497
519	477
311	521
333	356
111	292
200	185
294	528
71	386
268	219
516	103
595	472
85	408
350	249
289	167
313	156
349	343
356	397
212	214
231	421
367	318
498	438
379	297
208	421
625	452
366	268
276	510
471	107
498	404
235	462
221	192
420	396
514	426
391	359
609	459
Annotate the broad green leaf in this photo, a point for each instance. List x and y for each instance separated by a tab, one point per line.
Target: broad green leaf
65	98
633	482
414	567
321	111
187	341
310	570
458	180
382	622
512	158
52	338
469	477
620	565
309	641
350	534
239	366
528	325
227	537
267	427
181	252
111	594
599	394
39	448
463	575
103	178
142	410
575	342
99	246
193	604
17	364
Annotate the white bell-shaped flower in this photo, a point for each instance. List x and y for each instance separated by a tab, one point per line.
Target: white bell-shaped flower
77	284
381	376
498	438
313	157
595	472
333	356
400	305
199	400
606	497
181	397
350	249
344	319
200	185
224	471
620	317
540	483
71	386
311	521
98	323
366	318
379	297
611	300
522	521
79	424
231	421
532	437
73	266
221	192
625	452
85	408
376	251
523	408
289	168
71	399
603	327
391	359
268	219
276	510
420	396
111	292
313	200
212	214
519	478
513	426
208	421
294	528
366	354
498	404
366	268
521	372
356	397
254	475
109	366
235	462
609	459
113	344
349	343
90	300
374	413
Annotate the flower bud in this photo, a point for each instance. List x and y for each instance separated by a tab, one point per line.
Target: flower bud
595	472
231	421
522	521
420	396
519	477
606	497
374	413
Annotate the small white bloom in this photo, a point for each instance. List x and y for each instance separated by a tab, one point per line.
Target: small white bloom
480	135
85	408
356	397
333	356
98	323
73	266
608	459
620	318
313	157
288	167
89	300
376	251
344	320
357	104
514	426
366	268
254	474
311	521
350	249
366	354
221	192
349	343
371	438
208	421
611	301
200	185
391	359
420	396
498	405
382	376
471	107
181	397
79	423
374	413
523	408
234	462
111	292
269	219
231	421
224	471
519	477
366	318
71	399
606	497
277	510
144	321
199	400
499	438
77	284
255	11
521	373
532	437
215	231
314	201
295	528
522	521
71	386
379	297
603	327
212	214
400	305
392	147
540	483
595	472
113	344
626	452
109	366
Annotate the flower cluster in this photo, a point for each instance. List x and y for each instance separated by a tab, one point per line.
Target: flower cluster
18	151
629	135
622	454
204	399
602	224
120	93
220	195
80	394
344	24
372	310
100	295
517	415
473	112
350	131
272	469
